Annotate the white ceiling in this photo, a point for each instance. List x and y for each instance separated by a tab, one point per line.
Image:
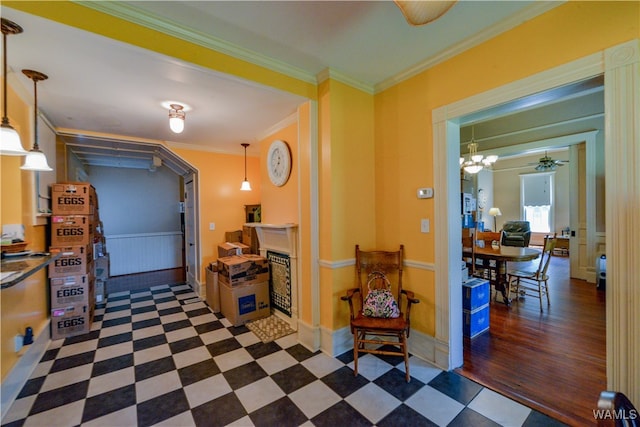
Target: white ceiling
98	86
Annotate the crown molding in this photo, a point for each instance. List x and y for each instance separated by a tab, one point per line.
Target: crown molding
148	20
328	73
538	8
287	121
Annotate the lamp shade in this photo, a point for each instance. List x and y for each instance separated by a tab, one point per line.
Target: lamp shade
36	161
10	144
246	186
495	212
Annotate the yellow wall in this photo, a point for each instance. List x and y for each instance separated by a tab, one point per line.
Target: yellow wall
404	135
221	200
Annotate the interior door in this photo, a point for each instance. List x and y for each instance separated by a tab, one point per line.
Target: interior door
190	234
580	264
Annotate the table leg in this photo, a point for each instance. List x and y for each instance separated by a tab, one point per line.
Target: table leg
501	280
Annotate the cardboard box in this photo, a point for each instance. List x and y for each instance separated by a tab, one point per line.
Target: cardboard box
475	293
233	236
73	198
242	270
70	321
213	290
72	290
250	238
240	304
71	230
100	290
235	248
75	260
101	267
476	321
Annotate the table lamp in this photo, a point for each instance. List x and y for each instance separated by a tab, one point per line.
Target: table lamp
494	212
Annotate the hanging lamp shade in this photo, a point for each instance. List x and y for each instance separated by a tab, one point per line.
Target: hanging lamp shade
35	160
10	144
246	185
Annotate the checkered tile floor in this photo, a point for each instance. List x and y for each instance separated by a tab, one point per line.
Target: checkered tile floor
160	357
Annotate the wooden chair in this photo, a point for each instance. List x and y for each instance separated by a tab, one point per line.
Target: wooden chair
616	410
534	283
373	334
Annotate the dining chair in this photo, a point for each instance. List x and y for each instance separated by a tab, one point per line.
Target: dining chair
534	283
380	335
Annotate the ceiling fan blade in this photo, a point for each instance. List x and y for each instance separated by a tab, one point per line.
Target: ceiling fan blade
420	12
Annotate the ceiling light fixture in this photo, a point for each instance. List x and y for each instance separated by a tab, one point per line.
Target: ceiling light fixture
422	12
10	144
246	185
176	118
476	161
35	160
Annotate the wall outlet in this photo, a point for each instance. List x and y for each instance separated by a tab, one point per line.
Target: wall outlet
18	340
424	225
212	226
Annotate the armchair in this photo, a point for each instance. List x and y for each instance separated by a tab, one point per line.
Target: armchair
516	233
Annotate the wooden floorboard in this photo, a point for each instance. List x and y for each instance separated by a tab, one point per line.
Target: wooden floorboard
554	361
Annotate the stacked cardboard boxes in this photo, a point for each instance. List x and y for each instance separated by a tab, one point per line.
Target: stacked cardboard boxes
476	294
74	220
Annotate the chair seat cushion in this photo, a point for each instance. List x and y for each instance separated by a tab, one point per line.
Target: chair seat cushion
378	323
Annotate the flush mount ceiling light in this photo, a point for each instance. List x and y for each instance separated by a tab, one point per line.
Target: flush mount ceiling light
246	185
35	160
10	144
420	12
176	118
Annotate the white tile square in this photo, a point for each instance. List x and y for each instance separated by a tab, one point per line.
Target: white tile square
162	295
66	415
111	303
276	362
180	334
77	348
175	317
19	409
115	330
242	422
144	303
498	408
151	353
124	417
247	339
215	336
373	402
67	377
112	351
233	359
288	340
147	332
421	369
205	318
42	369
116	314
156	386
144	316
168	304
371	367
190	357
436	406
111	381
195	306
258	394
314	398
207	390
321	364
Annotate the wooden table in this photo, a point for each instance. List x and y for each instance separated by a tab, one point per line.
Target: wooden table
501	256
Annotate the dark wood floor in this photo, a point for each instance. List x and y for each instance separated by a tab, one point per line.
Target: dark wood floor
553	361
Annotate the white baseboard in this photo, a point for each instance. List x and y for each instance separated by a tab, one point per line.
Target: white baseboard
20	373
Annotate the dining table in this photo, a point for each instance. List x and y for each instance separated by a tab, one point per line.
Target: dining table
501	255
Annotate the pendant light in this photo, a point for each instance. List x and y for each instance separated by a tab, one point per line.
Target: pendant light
476	161
176	118
246	186
35	160
10	144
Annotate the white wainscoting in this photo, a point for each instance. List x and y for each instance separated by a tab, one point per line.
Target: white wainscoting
137	253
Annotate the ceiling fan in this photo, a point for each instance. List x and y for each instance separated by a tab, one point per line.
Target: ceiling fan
420	12
546	163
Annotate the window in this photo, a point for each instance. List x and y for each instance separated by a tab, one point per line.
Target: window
537	201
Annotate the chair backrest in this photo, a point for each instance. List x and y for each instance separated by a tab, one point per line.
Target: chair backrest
516	233
387	262
487	237
616	410
547	252
516	226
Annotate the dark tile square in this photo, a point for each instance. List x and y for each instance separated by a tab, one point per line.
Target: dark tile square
282	412
337	414
219	412
405	416
115	339
153	341
160	290
139	298
31	387
537	419
92	335
116	322
300	353
182	291
343	382
346	357
469	417
208	327
391	360
119	297
98	317
154	368
117	308
111	401
172	404
223	346
260	349
59	397
243	375
239	330
456	386
170	310
165	299
72	361
146	323
50	354
197	312
293	378
395	383
185	344
111	365
145	309
173	326
198	371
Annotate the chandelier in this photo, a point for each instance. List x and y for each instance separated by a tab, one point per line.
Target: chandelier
476	162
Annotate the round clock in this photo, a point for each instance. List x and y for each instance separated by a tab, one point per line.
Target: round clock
279	163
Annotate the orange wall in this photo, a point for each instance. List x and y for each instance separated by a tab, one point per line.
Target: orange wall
221	200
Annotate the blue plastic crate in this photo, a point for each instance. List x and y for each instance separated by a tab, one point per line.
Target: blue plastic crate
475	322
475	293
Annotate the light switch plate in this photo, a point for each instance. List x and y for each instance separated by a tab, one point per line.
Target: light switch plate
212	226
425	193
424	225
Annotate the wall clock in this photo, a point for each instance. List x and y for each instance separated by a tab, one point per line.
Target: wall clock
279	162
